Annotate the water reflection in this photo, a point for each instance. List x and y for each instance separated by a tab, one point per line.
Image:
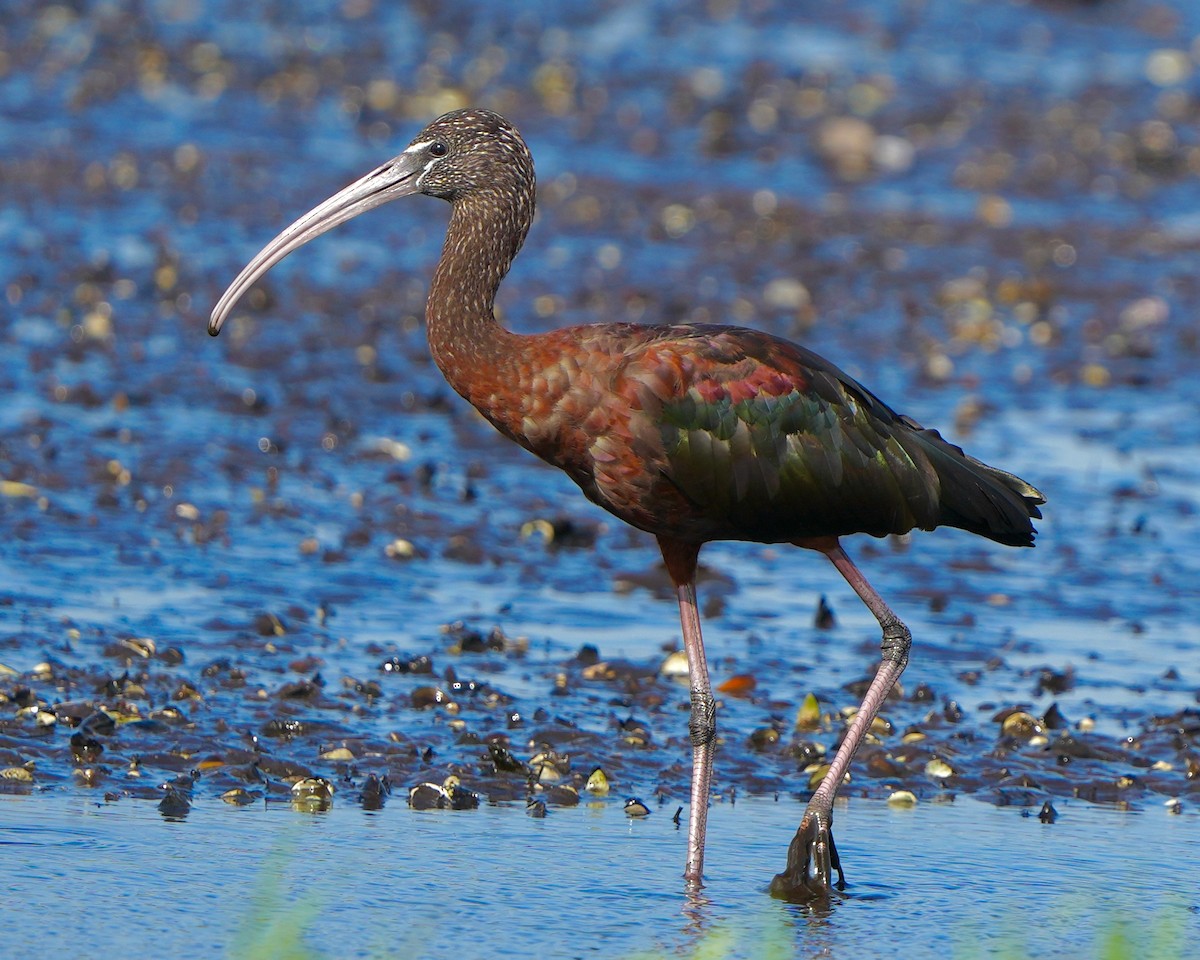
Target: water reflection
698	910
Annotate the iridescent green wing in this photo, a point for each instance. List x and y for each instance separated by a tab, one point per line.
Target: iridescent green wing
770	442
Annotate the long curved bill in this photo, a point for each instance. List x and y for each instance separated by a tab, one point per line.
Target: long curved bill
399	177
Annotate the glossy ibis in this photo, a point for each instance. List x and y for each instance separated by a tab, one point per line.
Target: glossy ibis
690	432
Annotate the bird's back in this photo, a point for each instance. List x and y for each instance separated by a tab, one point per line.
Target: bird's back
705	432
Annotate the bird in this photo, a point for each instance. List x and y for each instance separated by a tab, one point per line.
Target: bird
690	432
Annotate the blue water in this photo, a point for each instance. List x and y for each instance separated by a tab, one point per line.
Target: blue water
177	488
589	882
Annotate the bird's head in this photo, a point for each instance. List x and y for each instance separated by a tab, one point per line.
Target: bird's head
465	156
470	152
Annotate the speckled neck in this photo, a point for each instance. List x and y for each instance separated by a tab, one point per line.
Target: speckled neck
485	233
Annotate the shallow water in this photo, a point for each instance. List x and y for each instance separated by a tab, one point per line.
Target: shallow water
420	884
991	211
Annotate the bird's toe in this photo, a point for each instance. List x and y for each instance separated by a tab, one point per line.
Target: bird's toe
811	863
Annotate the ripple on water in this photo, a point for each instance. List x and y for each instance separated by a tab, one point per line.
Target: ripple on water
592	882
40	835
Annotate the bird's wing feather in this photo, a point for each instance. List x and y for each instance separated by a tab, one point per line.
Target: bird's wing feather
764	440
710	432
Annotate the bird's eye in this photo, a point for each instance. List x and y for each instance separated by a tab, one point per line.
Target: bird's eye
438	149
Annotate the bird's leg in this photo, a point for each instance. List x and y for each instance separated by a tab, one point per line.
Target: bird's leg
702	728
702	725
812	856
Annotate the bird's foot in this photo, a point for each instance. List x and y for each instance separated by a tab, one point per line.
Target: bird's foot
812	859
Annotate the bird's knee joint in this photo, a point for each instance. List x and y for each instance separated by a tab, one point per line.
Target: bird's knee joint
702	725
897	640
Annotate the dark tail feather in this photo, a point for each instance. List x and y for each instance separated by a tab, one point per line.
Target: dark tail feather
982	499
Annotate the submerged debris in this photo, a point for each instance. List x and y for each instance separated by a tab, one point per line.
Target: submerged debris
239	797
375	791
448	795
312	794
597	782
176	804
